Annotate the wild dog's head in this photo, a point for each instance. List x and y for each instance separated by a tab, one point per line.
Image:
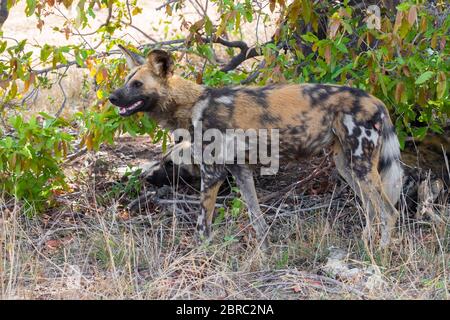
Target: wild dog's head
146	85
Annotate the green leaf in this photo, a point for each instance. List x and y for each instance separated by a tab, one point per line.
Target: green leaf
310	37
31	6
45	52
420	132
403	6
341	47
424	77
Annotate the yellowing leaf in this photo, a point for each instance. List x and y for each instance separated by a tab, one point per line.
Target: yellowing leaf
88	142
199	24
441	87
99	77
101	94
315	22
221	27
67	3
13	90
295	9
423	24
102	75
434	41
137	10
28	82
168	10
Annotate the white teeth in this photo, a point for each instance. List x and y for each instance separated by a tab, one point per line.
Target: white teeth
136	104
124	110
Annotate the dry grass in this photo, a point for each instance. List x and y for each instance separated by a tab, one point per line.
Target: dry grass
90	247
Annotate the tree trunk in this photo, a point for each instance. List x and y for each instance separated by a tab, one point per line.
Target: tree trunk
3	12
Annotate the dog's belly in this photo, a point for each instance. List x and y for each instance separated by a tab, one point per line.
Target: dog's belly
295	144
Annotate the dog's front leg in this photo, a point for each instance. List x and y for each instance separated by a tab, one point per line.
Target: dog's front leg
244	180
212	177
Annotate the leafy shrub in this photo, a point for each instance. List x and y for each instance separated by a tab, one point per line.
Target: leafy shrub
30	158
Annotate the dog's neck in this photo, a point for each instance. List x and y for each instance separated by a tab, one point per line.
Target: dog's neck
183	95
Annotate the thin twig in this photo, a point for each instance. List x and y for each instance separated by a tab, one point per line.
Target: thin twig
63	104
314	174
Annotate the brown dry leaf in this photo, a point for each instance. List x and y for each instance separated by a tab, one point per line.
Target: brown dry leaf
67	32
442	43
272	5
40	24
334	27
373	78
297	288
406	71
399	90
199	78
53	244
124	215
327	54
28	83
412	15
398	21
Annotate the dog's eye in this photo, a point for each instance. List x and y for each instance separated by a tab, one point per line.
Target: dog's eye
137	84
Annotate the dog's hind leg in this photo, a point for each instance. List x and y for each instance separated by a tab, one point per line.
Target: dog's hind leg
366	183
245	182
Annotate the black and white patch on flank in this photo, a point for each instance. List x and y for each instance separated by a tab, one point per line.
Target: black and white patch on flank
197	111
226	100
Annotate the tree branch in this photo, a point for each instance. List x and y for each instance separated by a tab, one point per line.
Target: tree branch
244	54
165	4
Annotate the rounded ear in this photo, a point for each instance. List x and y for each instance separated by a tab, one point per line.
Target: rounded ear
161	62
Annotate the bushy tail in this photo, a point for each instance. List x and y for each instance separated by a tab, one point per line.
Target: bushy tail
390	168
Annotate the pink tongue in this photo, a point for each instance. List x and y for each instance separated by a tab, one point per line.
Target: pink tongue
122	110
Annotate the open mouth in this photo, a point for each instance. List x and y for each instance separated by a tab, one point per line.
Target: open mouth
128	110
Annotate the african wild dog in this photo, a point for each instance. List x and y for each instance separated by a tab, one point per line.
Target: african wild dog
309	117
